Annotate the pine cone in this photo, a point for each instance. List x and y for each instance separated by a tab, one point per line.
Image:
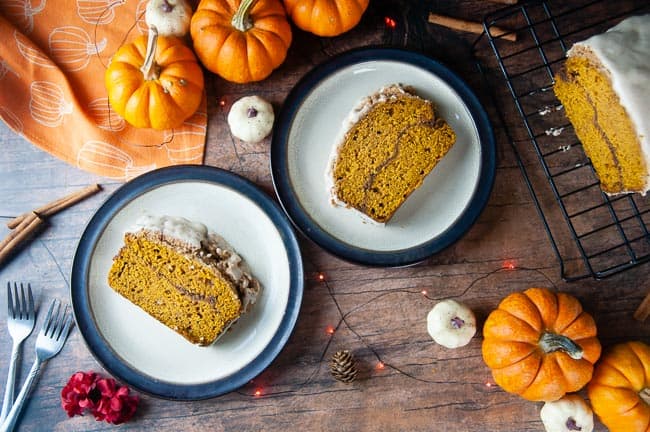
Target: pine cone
343	367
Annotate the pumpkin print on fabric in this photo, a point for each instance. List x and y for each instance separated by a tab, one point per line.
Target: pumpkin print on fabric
98	12
116	163
22	12
50	93
540	345
71	47
47	104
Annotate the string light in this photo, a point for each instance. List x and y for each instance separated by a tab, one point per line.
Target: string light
390	23
380	365
222	102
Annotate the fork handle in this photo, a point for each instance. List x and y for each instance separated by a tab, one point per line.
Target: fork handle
8	400
13	415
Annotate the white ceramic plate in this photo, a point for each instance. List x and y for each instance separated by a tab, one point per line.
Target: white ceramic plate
140	350
436	214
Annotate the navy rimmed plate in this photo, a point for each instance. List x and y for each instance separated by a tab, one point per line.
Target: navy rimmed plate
437	214
139	350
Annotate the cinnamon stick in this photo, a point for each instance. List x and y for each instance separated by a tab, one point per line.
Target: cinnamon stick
470	26
28	226
57	205
643	311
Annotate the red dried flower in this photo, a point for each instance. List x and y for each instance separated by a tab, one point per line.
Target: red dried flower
115	405
87	391
80	393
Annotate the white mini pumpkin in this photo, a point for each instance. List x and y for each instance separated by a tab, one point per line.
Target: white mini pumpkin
570	413
451	324
170	17
251	119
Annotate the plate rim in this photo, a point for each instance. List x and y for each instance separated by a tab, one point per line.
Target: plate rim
307	226
99	347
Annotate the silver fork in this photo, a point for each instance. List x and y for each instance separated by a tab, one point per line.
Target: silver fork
20	321
49	342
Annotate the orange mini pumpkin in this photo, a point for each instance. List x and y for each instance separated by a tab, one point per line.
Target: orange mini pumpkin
326	17
241	40
540	345
620	389
154	82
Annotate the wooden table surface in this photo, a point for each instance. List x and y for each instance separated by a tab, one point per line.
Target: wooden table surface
422	386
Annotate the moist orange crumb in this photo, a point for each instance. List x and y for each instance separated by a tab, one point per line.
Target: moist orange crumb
602	125
604	87
388	152
181	292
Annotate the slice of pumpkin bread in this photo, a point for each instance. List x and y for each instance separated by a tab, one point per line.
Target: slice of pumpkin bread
604	87
184	276
389	143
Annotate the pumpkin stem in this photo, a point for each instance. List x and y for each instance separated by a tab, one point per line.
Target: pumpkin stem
457	323
149	69
166	6
645	395
242	20
572	425
550	342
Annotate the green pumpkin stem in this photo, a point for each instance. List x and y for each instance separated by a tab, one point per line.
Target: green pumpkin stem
550	342
645	395
242	20
149	69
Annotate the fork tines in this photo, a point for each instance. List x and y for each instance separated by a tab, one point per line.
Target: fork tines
54	325
19	309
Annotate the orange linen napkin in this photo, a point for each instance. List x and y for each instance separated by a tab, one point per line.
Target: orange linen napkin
53	56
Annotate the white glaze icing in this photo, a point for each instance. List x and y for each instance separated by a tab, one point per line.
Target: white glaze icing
197	235
192	233
554	131
624	50
548	109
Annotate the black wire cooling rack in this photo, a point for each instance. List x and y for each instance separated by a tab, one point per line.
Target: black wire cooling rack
591	233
